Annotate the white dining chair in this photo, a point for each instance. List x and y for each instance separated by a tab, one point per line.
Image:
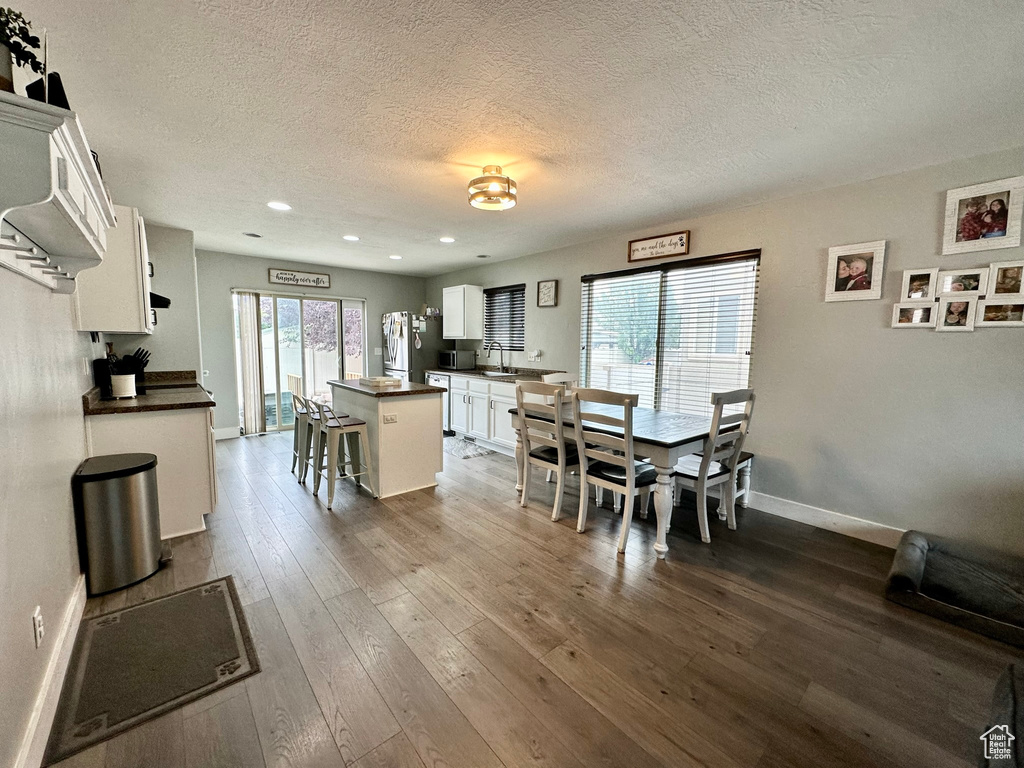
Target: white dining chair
606	460
543	439
720	460
571	381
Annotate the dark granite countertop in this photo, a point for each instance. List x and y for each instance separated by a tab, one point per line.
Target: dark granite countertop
404	390
519	374
165	391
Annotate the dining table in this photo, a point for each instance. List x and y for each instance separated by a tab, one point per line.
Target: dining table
661	438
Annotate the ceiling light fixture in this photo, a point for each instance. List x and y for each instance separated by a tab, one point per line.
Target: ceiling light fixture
350	238
395	257
279	206
447	239
494	191
252	234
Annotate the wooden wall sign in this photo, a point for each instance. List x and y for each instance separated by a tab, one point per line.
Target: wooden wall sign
660	247
304	279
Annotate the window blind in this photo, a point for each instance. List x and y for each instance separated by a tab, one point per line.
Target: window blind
672	334
505	317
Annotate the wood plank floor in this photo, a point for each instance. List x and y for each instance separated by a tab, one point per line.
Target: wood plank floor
451	627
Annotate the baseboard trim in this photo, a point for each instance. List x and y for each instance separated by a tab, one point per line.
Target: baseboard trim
33	744
865	530
225	433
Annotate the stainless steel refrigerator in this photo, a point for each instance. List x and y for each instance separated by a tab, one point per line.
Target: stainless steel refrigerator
402	357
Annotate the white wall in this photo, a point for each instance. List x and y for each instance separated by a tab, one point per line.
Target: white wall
174	343
912	429
219	273
42	441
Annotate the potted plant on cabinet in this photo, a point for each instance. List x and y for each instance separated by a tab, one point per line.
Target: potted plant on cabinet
17	44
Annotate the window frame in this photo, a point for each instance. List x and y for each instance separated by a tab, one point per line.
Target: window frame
587	313
506	336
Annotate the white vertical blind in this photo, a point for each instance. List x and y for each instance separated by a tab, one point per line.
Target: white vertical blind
673	335
505	317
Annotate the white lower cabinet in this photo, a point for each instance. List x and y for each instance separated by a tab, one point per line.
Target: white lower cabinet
501	430
480	409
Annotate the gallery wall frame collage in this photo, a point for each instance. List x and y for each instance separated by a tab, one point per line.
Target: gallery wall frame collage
980	217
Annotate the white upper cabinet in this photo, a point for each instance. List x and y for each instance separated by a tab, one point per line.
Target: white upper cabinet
51	192
114	297
463	312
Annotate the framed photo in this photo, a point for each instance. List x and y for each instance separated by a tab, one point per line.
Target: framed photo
855	272
909	314
660	247
997	314
547	293
969	282
1004	278
956	313
919	284
984	216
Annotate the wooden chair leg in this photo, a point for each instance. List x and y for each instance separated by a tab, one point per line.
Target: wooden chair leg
729	494
526	483
549	476
702	513
598	495
556	510
645	498
295	442
581	519
304	443
627	517
333	443
744	483
617	502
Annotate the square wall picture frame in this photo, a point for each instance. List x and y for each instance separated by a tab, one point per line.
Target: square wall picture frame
1000	313
547	293
855	272
1006	278
982	217
914	314
970	281
956	313
919	284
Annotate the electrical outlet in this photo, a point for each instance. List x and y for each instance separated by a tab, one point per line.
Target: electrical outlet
533	356
390	418
377	351
37	626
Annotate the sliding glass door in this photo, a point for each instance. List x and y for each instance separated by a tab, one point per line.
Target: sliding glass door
299	348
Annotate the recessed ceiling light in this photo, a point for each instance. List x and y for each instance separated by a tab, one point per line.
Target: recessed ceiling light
350	238
252	234
395	257
482	256
279	206
447	239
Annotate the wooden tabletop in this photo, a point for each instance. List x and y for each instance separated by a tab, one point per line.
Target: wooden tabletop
662	428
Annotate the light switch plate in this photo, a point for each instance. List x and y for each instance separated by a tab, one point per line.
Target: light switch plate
377	351
390	418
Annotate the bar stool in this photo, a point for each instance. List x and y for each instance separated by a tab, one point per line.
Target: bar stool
332	428
299	428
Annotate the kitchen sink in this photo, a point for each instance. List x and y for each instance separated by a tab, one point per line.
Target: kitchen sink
498	374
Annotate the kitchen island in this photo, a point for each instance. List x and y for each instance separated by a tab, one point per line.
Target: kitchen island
403	426
174	421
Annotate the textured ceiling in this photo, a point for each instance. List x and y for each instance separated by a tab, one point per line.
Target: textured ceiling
370	117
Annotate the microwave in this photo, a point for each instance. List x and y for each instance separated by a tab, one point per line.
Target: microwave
456	359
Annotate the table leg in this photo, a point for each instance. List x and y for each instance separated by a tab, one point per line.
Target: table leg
744	483
519	461
663	508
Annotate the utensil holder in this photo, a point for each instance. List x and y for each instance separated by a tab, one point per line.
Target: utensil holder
122	385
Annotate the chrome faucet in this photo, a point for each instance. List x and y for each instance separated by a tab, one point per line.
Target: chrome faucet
501	354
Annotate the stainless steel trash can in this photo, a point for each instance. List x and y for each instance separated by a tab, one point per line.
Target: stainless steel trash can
118	517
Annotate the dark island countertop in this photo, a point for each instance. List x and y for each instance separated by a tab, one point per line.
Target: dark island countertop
406	388
165	391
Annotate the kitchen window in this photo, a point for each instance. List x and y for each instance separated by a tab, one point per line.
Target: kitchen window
505	317
674	334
